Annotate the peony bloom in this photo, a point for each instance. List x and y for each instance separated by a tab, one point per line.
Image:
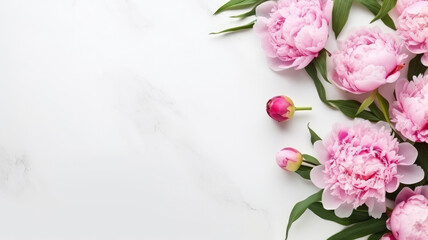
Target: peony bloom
368	59
409	219
359	164
293	31
289	159
403	4
409	112
412	27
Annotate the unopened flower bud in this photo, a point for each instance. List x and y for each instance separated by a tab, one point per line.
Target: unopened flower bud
289	159
281	108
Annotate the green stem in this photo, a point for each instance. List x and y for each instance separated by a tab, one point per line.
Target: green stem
303	108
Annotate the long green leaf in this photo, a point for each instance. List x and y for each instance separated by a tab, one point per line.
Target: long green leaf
416	67
360	229
311	159
314	136
304	172
377	112
387	5
350	108
329	215
251	12
374	7
384	106
341	9
321	64
312	71
300	208
422	159
239	28
236	4
367	102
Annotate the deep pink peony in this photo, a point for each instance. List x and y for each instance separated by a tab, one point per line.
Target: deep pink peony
409	112
280	108
412	26
409	219
289	159
359	164
368	59
293	31
403	4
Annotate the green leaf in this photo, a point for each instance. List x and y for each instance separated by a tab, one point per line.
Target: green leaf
314	136
304	172
236	4
416	67
300	208
387	5
329	215
376	236
321	65
384	106
374	7
239	28
377	112
367	102
311	159
360	229
312	71
350	108
251	12
341	9
422	159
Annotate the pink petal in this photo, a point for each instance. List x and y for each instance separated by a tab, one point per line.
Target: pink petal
423	190
376	208
317	176
264	9
410	174
321	151
409	152
404	195
392	185
424	59
329	201
344	210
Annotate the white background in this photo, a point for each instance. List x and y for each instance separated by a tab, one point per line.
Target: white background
124	119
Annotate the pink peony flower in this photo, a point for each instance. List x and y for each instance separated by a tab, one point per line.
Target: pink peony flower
293	31
412	26
368	59
403	4
388	236
409	219
280	108
409	112
289	159
359	164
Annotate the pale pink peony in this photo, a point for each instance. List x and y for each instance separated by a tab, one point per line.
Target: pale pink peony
359	164
367	60
412	27
293	31
409	219
409	112
403	4
289	159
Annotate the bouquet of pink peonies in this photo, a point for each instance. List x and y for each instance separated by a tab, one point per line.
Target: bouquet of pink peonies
373	173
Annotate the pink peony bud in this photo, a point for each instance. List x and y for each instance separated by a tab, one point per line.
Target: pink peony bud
281	108
289	159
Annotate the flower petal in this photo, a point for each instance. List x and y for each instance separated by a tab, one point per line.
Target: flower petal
404	195
344	210
409	152
317	176
410	174
392	185
424	59
321	151
329	201
264	9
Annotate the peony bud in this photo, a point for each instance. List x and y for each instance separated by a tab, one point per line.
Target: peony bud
281	108
289	159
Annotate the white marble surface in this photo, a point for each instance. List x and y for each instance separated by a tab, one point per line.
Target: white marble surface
124	119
